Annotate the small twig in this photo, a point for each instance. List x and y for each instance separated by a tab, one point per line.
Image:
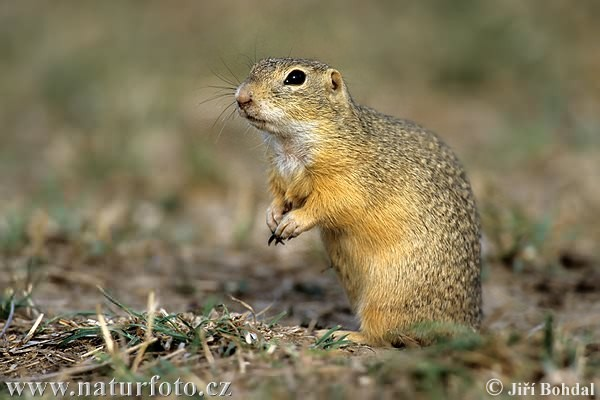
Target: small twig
246	305
89	353
63	357
145	343
207	353
173	354
31	332
31	364
118	359
110	344
148	335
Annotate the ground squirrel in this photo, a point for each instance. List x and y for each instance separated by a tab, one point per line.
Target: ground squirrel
395	210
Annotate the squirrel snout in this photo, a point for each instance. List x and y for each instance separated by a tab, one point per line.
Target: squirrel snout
243	96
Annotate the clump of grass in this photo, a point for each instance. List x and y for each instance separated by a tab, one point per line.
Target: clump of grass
134	343
329	342
229	330
11	302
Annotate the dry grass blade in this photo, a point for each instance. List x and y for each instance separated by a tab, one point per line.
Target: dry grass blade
206	349
138	346
110	344
31	332
246	306
91	352
148	335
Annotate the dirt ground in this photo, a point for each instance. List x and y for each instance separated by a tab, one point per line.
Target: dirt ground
118	170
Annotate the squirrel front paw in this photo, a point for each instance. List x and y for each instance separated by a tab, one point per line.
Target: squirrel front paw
292	224
275	214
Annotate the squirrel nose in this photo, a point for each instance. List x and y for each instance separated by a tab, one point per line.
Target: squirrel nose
243	95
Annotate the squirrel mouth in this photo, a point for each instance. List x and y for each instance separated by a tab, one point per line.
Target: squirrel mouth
259	123
255	120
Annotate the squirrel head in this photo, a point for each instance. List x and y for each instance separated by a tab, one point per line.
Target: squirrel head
286	96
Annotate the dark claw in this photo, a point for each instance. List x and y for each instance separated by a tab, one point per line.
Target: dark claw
277	240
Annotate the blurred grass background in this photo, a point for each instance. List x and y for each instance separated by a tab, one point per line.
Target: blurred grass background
102	113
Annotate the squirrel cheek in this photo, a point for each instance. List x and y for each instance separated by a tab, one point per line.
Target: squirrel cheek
269	112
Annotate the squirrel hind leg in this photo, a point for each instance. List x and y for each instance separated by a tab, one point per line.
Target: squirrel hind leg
381	327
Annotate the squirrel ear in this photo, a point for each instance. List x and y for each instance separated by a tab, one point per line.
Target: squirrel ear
335	83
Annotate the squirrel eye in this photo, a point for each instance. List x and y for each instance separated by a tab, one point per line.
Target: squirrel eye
296	77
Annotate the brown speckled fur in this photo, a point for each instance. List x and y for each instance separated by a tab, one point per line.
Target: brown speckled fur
395	209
